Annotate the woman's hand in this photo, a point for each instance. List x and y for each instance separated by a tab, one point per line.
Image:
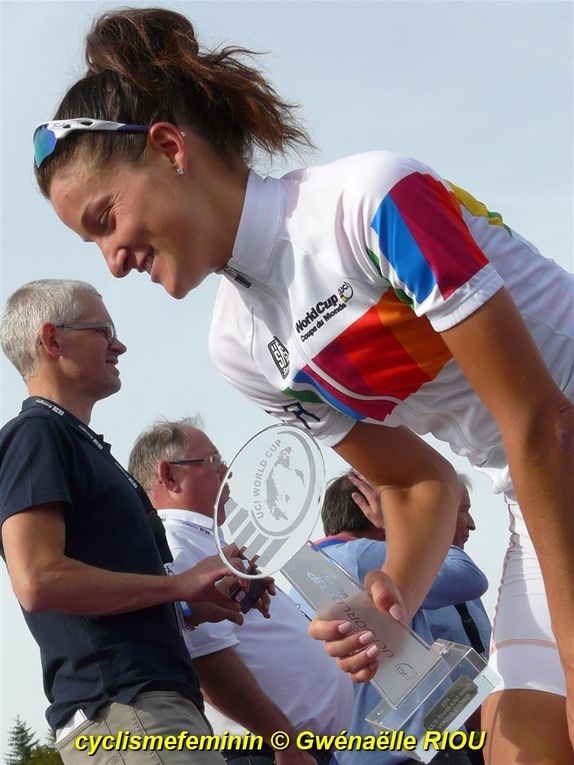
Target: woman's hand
356	653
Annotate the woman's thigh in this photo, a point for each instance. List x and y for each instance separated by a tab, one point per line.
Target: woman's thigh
526	728
525	718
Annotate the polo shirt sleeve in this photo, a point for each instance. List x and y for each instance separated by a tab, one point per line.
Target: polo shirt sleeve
208	637
419	232
36	465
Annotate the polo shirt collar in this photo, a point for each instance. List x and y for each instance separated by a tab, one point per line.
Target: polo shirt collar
32	401
259	224
177	514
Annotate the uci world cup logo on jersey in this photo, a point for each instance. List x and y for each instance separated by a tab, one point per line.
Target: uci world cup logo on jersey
323	311
270	503
345	292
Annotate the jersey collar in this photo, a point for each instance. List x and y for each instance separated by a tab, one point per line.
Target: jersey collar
259	225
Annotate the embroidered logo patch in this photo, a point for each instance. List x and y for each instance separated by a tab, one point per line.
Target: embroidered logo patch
280	356
345	292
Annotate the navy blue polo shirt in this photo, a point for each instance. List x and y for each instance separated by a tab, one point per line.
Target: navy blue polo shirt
88	661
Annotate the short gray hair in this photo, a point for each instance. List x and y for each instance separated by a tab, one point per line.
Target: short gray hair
164	440
46	300
465	481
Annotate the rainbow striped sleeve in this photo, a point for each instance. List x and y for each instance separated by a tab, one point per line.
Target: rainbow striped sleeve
384	357
423	236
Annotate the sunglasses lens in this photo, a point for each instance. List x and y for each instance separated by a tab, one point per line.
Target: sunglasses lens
44	144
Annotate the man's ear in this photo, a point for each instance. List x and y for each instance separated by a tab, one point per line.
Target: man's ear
167	476
49	338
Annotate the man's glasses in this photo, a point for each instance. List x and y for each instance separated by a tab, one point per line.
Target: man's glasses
47	135
105	327
214	459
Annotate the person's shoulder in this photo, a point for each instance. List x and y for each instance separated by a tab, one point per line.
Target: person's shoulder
36	415
33	423
361	550
27	418
378	170
455	553
368	545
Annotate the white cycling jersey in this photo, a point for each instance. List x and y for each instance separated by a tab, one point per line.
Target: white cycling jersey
342	278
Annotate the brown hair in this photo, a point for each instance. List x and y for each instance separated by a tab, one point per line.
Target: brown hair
340	512
145	66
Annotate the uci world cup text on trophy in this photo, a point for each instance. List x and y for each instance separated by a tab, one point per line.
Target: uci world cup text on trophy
269	504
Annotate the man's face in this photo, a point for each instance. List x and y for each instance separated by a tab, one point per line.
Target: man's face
200	482
464	520
89	361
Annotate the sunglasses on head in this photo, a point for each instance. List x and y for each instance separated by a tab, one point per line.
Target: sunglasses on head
47	135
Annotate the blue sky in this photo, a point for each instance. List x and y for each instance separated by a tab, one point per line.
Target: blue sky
481	91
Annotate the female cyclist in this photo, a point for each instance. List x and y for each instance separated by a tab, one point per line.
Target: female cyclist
368	300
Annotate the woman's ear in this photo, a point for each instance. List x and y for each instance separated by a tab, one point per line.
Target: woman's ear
167	139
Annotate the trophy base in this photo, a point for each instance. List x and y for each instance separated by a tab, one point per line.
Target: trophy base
427	691
440	703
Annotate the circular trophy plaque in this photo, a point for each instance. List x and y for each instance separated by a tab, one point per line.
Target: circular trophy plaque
270	498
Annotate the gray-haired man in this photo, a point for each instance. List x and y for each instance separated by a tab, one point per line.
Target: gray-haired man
84	557
266	675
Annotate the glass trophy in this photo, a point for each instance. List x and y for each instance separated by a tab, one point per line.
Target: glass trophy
269	504
424	689
270	498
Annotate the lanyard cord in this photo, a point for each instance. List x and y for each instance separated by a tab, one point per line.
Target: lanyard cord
102	448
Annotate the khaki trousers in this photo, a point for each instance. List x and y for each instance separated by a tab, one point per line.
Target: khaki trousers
171	723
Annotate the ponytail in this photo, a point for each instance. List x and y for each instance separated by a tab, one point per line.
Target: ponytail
144	66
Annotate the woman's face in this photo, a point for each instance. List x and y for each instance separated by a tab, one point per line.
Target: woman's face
148	218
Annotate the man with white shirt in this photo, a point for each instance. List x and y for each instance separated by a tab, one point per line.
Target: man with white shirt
269	675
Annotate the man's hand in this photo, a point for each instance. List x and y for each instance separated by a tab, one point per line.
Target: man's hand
263	605
209	612
209	580
356	653
368	499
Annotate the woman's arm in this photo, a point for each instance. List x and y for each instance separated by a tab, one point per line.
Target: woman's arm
500	360
420	494
459	579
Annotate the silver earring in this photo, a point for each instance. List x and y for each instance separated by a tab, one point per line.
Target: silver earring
179	170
